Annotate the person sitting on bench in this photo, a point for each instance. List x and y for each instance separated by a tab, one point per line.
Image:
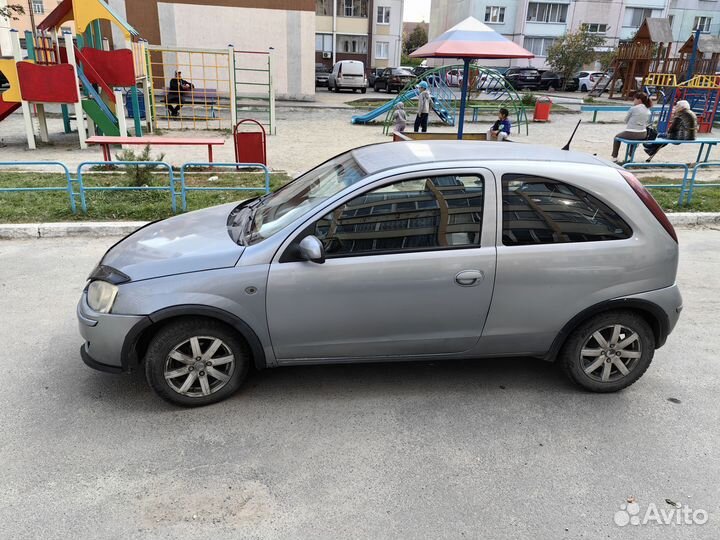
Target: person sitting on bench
637	119
500	130
683	127
178	93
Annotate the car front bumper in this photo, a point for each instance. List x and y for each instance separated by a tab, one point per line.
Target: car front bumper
105	336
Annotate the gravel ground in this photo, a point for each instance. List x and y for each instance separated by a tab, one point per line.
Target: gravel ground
308	135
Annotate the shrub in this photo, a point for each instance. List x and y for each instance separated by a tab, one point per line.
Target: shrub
528	98
139	175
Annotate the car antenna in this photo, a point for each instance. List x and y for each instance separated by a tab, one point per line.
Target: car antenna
567	146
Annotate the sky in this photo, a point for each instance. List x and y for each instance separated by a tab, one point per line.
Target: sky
416	11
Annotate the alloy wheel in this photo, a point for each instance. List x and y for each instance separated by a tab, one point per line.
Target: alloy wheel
199	366
611	353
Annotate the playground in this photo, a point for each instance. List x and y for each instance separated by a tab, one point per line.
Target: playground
201	112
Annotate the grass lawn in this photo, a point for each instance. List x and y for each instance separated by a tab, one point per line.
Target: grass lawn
33	207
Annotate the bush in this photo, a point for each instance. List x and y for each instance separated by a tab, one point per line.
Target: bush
139	175
528	98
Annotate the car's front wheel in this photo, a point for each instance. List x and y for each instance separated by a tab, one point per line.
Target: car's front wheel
609	352
195	362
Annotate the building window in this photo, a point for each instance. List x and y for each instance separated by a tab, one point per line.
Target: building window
547	13
494	14
323	7
323	42
38	7
381	50
539	46
595	28
538	210
352	8
702	24
671	20
352	44
383	15
634	17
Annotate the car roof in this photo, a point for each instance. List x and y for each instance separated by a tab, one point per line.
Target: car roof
378	157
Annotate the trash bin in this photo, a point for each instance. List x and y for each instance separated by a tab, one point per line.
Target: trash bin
250	146
542	109
129	105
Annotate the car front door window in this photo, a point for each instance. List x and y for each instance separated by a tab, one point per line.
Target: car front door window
427	213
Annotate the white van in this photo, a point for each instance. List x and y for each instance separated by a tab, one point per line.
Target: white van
348	74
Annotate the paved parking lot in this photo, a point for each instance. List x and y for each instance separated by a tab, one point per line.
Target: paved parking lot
493	449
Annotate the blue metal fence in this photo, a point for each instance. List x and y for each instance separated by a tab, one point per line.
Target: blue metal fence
696	168
184	188
75	188
170	188
68	187
683	166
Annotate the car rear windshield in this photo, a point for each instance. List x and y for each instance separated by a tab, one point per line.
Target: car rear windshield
403	72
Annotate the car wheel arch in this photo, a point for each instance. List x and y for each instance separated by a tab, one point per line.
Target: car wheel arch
653	315
138	339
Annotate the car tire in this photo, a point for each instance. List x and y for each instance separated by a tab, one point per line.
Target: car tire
188	337
592	355
583	88
376	88
363	90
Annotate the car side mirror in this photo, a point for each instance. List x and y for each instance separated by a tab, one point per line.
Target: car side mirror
311	249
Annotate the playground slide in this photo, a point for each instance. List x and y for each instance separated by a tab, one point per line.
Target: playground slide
364	118
97	110
6	108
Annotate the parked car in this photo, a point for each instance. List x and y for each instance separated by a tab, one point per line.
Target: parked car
358	260
393	80
374	74
348	74
550	80
587	79
433	79
521	78
490	81
322	73
454	77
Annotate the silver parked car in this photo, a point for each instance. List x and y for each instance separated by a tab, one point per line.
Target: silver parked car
417	250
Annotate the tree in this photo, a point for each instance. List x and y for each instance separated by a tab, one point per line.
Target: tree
574	49
417	38
11	11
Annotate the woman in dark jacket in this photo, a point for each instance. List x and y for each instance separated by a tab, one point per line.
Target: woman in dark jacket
682	128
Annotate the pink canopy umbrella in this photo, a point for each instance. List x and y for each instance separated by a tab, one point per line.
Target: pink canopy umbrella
468	40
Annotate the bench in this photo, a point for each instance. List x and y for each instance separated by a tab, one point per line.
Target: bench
706	144
595	109
206	97
106	141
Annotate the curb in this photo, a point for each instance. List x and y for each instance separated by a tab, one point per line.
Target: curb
99	229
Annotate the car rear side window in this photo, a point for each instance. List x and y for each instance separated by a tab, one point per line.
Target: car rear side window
538	210
413	215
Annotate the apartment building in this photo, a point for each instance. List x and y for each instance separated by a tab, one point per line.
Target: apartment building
365	30
537	24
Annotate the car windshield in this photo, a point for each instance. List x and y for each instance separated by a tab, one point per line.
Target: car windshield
274	211
321	69
401	71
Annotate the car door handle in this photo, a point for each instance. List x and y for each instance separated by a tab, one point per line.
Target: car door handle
469	278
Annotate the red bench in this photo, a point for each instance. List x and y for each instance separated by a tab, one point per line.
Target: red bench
106	141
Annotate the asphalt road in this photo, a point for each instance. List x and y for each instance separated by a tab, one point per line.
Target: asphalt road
493	449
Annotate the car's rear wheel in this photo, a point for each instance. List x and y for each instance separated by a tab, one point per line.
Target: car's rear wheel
196	362
609	352
583	88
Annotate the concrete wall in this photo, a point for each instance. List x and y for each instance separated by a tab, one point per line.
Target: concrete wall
288	26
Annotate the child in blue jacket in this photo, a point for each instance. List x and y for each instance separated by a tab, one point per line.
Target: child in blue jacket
501	128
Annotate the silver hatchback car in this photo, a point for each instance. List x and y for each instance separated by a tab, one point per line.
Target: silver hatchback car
396	251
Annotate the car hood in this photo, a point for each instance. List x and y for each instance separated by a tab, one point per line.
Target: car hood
189	242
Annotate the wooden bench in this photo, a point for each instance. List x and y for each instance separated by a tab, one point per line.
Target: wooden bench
595	109
197	96
105	142
706	144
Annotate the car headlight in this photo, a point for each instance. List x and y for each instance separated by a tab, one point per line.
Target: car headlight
101	296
